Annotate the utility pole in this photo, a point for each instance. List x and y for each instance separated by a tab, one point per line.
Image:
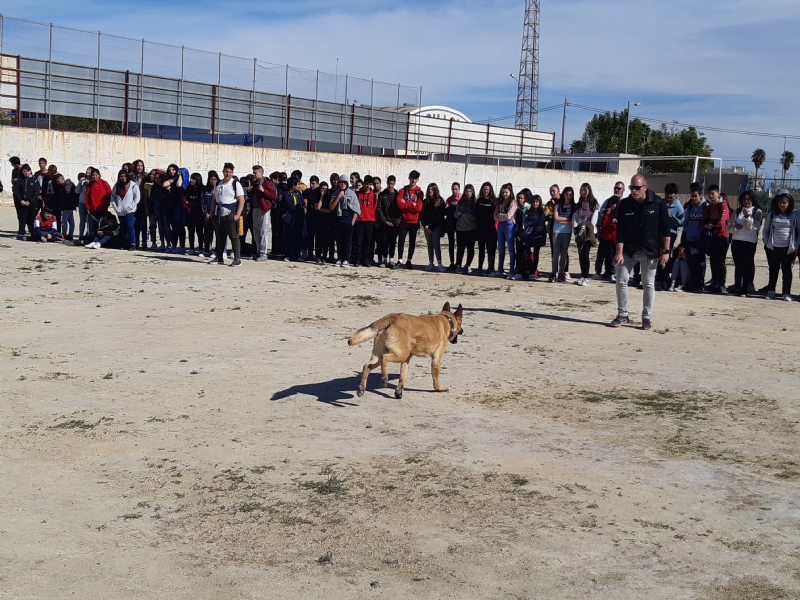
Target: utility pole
527	116
564	125
628	128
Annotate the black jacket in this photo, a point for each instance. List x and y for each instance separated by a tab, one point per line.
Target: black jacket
484	215
642	226
431	216
387	209
28	189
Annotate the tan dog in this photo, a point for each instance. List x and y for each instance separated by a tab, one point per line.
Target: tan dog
398	337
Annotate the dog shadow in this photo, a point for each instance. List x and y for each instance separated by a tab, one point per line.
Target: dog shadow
532	316
340	392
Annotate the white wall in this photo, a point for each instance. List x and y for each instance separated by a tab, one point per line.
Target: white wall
73	152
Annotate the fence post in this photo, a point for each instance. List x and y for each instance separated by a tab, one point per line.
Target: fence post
371	112
219	85
352	126
141	93
127	102
396	123
287	81
408	128
346	82
449	139
50	81
97	104
180	97
253	107
521	145
419	119
2	23
288	118
316	112
486	158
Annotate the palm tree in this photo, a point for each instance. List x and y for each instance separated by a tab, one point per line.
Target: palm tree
787	160
759	158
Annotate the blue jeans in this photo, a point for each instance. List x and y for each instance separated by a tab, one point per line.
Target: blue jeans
83	215
67	222
506	239
128	229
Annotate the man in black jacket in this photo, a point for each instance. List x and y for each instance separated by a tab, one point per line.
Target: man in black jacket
643	237
29	194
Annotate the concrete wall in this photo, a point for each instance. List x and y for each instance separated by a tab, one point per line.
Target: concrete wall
73	152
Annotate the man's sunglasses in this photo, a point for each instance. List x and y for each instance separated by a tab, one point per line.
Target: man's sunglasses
635	188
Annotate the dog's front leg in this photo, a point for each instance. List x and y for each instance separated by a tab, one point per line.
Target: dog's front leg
398	393
436	368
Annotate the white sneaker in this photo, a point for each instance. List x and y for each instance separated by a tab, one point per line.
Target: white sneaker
679	288
671	288
580	281
613	279
566	276
787	297
345	264
770	295
585	283
430	267
338	263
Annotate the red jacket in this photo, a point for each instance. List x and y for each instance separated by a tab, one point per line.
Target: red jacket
608	227
98	195
368	204
719	214
409	201
265	199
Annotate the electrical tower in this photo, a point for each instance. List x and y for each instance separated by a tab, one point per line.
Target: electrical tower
528	83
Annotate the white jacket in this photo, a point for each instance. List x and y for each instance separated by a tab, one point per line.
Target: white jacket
750	225
127	205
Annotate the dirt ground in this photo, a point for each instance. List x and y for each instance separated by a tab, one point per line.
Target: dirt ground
175	430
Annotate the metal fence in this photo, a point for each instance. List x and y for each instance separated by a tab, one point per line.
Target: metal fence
61	78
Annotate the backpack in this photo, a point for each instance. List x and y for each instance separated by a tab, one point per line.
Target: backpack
184	176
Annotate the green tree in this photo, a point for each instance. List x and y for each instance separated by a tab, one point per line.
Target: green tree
787	160
759	158
605	133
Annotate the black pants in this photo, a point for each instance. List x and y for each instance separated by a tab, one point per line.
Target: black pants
410	231
466	241
744	272
386	238
780	259
208	235
487	247
603	264
140	230
277	231
718	252
178	233
227	228
344	236
362	238
22	218
196	227
451	245
584	260
324	242
31	212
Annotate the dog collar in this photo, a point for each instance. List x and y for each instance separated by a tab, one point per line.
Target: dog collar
452	327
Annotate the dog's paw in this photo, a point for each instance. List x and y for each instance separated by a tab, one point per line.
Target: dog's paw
442	389
360	392
398	394
385	382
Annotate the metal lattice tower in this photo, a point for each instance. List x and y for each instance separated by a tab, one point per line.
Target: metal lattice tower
528	83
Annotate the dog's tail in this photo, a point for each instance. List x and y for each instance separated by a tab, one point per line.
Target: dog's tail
369	332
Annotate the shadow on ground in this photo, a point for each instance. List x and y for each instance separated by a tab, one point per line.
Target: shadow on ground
532	316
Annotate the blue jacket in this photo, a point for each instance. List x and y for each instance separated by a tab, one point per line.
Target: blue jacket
292	204
675	216
691	221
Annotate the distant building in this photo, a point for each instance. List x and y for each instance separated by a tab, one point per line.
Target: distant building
437	112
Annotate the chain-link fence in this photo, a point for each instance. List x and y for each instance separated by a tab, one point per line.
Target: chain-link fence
67	79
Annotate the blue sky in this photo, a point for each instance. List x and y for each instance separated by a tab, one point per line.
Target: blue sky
720	63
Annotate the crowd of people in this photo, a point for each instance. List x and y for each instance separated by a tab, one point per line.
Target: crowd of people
355	221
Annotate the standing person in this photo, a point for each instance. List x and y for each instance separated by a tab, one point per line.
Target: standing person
140	177
607	244
98	199
487	228
324	223
227	206
212	180
83	214
125	198
549	210
22	211
175	211
346	207
505	211
364	225
584	224
466	228
694	237
68	207
642	237
195	217
28	192
715	219
41	174
781	240
160	201
432	218
531	232
51	193
387	216
409	201
377	188
275	216
263	198
311	196
619	192
562	234
676	214
744	227
449	226
293	217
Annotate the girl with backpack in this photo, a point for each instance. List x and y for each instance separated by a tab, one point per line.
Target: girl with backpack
584	224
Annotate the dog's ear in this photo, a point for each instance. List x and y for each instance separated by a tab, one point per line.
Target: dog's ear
459	311
446	307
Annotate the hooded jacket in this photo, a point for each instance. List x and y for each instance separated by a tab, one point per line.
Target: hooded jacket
717	214
794	231
409	201
387	210
751	225
98	195
29	190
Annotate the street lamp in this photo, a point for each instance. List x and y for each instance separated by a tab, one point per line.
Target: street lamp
628	128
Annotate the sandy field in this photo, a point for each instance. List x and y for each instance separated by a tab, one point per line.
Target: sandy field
176	430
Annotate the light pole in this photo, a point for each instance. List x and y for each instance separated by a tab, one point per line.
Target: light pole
628	128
